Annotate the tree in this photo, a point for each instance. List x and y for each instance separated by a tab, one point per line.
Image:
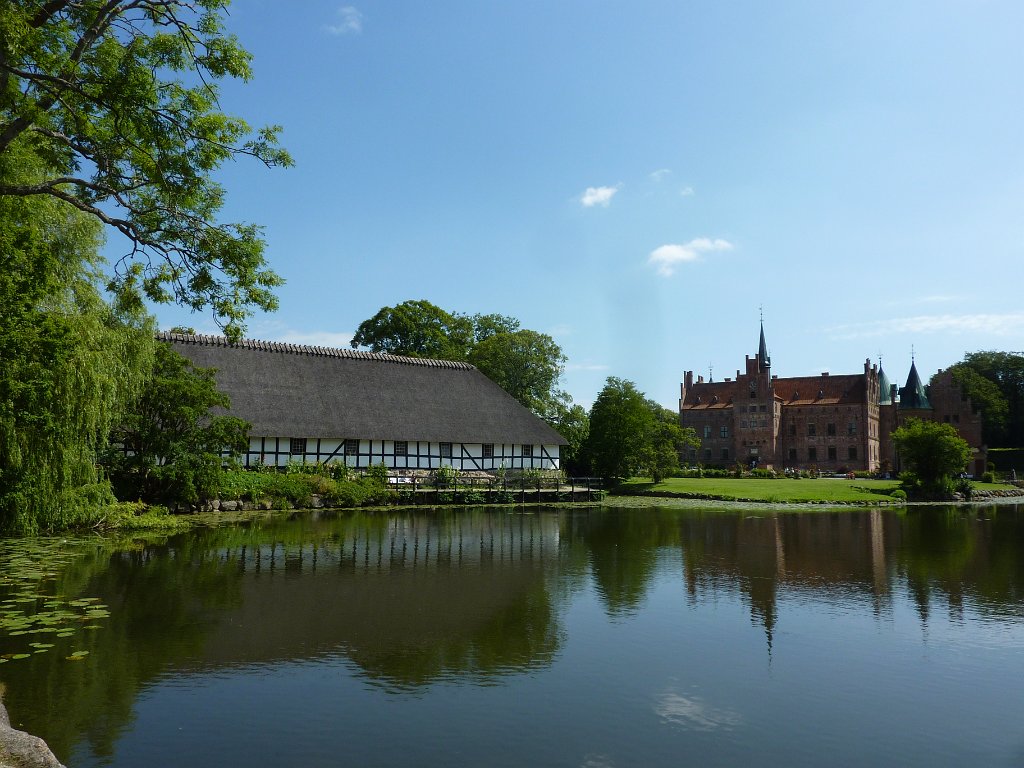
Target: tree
168	446
931	453
71	362
573	423
666	441
985	396
416	329
94	112
527	365
1006	371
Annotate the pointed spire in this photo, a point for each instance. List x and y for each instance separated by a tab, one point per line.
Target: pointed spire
914	395
763	360
884	387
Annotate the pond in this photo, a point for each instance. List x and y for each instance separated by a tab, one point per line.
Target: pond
567	637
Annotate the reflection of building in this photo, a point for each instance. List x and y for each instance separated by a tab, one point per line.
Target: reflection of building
316	404
836	423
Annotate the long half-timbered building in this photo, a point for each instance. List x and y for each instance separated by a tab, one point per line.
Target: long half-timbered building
312	404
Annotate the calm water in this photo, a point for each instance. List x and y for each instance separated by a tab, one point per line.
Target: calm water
640	637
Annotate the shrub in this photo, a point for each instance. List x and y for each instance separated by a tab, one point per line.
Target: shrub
899	494
988	477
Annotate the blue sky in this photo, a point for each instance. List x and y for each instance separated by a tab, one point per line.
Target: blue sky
637	179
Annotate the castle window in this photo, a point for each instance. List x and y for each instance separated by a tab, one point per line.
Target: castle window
297	446
831	453
851	428
792	429
946	418
764	408
792	454
707	431
724	431
956	418
853	453
812	454
812	429
831	429
707	453
743	424
725	454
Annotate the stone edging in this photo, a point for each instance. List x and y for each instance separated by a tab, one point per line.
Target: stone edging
22	750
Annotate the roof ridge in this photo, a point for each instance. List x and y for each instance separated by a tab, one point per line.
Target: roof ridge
285	347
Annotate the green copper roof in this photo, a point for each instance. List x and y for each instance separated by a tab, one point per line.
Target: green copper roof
763	361
913	395
884	388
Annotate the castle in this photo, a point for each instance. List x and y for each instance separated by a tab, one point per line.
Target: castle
829	423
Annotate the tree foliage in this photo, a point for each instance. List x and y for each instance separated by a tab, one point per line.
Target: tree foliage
630	435
117	103
526	364
932	453
1005	414
985	396
416	329
168	446
71	362
573	423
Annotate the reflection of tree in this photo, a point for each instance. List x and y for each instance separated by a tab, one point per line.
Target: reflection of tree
160	613
624	553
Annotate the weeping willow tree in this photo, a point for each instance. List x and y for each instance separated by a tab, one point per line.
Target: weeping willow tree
72	358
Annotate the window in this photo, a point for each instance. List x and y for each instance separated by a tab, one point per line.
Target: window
792	429
764	409
298	446
851	428
707	453
401	448
743	424
351	447
725	454
527	451
792	454
488	450
830	429
446	450
812	454
946	418
724	431
707	430
956	418
831	453
853	452
812	429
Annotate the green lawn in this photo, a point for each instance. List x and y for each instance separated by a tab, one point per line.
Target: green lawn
756	489
781	490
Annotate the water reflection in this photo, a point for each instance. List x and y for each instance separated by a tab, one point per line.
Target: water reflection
409	600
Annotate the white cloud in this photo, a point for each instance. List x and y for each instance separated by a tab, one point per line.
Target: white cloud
349	22
661	174
666	257
598	196
586	367
692	713
934	299
686	191
1006	324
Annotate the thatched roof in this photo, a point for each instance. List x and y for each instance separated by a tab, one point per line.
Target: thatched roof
290	390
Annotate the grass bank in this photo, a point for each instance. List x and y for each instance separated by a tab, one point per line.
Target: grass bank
825	490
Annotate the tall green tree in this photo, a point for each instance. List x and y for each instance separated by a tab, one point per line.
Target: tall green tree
1006	371
573	423
117	103
169	445
416	329
527	365
932	453
71	362
985	396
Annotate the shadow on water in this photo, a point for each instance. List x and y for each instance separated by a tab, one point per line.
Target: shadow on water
411	599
